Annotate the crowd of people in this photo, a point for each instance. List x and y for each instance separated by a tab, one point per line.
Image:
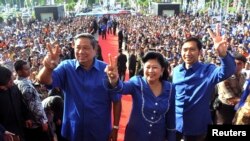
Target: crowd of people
185	71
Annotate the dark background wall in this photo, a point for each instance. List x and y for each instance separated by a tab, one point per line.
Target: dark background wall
57	11
158	8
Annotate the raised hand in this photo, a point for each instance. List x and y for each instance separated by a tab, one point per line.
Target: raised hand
220	43
51	60
8	136
112	70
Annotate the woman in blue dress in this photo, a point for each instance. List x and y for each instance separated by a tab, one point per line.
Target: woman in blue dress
153	112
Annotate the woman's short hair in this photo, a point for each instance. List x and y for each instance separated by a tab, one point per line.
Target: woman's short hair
162	61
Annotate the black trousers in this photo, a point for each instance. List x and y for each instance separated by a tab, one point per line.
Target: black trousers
122	75
224	114
36	134
120	44
104	34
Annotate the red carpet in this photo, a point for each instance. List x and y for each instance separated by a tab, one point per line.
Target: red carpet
110	45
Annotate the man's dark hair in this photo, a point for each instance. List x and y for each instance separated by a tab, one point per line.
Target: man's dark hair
240	57
5	75
89	36
194	39
120	50
19	65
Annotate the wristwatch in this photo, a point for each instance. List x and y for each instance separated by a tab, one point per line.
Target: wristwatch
116	127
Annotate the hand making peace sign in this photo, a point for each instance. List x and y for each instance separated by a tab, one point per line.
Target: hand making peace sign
220	43
112	70
51	60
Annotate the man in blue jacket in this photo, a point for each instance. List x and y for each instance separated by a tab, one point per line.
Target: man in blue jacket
194	83
87	108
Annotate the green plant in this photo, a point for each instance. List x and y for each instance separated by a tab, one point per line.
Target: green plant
70	6
1	19
232	9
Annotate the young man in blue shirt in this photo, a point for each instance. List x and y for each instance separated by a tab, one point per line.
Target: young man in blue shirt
87	108
194	83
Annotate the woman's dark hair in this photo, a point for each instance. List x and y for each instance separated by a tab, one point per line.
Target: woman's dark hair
159	57
19	65
193	39
5	75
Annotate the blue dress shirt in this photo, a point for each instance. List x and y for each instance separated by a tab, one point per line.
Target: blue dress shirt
152	117
87	107
194	87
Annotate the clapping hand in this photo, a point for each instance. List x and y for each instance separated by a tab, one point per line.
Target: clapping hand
112	71
220	43
51	60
